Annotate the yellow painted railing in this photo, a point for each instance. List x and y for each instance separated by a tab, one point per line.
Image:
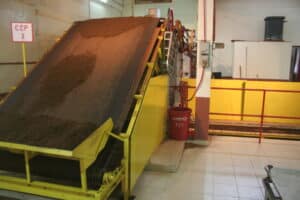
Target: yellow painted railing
245	97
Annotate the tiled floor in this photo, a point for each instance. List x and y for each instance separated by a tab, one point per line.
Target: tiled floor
230	168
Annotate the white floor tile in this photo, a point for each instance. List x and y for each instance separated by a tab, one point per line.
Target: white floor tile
223	169
155	180
224	178
182	193
241	161
259	162
249	192
244	171
201	177
247	181
231	168
229	190
225	198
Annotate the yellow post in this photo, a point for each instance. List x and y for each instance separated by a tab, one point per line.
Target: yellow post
126	166
27	166
83	177
24	59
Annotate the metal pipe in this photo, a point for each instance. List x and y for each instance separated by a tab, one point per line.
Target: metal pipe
256	89
262	116
204	20
252	115
243	100
214	22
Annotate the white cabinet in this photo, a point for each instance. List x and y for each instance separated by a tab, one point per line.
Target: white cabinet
262	60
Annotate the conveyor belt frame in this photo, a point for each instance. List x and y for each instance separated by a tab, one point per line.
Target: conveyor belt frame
86	153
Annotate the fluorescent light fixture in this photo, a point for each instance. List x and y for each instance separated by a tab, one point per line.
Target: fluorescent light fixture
104	1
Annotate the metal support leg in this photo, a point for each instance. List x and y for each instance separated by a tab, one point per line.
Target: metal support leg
27	167
126	186
83	176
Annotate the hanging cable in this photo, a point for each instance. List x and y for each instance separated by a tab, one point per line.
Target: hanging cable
198	86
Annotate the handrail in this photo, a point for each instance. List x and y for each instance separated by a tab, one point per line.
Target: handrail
262	116
255	89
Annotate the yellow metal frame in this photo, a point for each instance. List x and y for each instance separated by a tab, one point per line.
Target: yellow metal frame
86	153
150	127
126	137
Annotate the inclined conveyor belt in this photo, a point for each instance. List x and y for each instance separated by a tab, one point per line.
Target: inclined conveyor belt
90	75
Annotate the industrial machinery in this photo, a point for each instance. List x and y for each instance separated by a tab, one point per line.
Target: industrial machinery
84	121
281	183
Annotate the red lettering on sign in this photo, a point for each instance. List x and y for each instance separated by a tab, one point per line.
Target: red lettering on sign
21	27
17	27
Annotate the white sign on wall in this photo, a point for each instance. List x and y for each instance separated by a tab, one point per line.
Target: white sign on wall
22	31
154	12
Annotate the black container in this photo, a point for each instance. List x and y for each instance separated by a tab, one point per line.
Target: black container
217	75
274	28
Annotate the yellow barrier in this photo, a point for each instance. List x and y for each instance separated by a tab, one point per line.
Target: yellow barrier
250	102
150	127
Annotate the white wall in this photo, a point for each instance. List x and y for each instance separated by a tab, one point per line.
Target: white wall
185	10
113	8
50	18
244	20
262	60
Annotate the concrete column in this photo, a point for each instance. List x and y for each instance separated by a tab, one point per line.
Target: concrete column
204	63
